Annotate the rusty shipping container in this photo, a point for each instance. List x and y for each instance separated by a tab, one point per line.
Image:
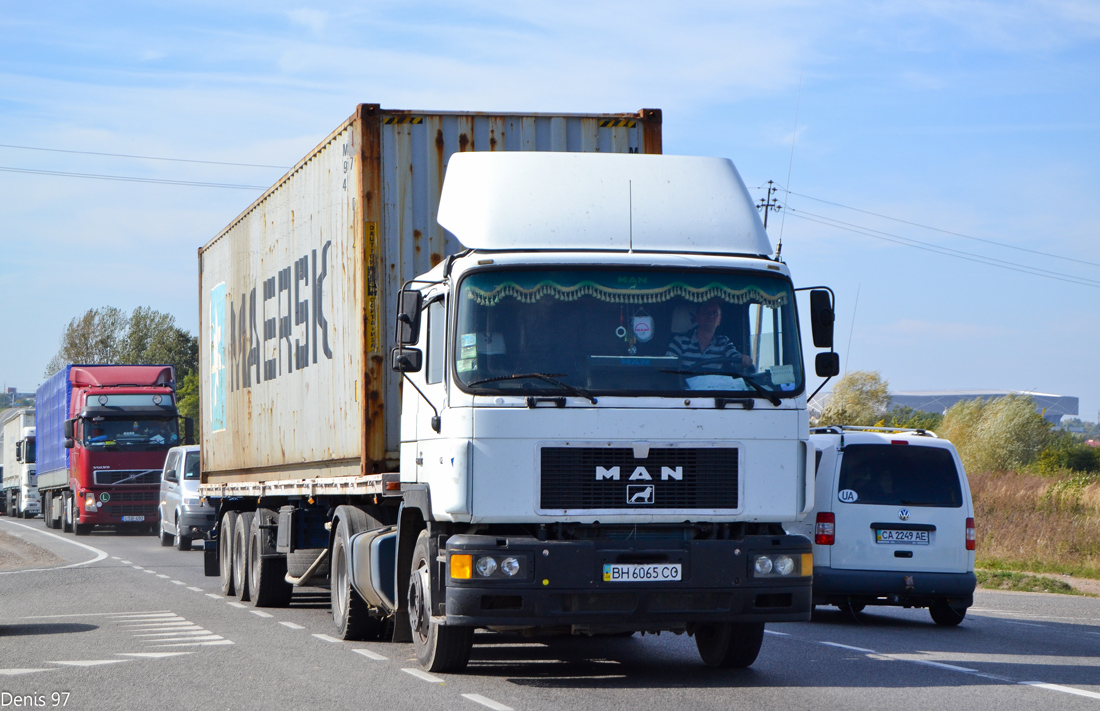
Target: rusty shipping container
296	295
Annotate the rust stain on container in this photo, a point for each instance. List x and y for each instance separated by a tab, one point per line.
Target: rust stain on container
464	142
436	258
418	237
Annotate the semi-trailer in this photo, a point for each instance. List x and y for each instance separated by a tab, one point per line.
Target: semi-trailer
559	390
103	433
20	484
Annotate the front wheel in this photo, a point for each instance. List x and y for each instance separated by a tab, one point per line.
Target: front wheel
730	645
67	512
182	541
439	648
165	536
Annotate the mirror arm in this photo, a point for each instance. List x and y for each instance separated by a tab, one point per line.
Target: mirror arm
437	423
818	389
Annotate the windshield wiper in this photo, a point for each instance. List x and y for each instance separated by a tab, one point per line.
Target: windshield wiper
771	397
551	378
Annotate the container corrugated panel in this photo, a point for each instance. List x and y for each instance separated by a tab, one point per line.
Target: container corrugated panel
52	404
367	198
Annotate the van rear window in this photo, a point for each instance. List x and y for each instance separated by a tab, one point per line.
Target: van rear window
900	476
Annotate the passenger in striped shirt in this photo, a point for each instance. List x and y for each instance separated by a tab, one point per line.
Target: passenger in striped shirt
702	343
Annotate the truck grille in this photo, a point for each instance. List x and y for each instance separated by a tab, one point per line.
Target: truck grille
134	496
600	478
130	510
144	476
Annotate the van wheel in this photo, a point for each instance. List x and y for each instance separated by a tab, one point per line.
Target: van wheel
730	645
439	648
226	528
240	555
183	542
165	536
945	615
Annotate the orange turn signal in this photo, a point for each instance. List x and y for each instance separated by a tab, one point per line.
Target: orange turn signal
462	566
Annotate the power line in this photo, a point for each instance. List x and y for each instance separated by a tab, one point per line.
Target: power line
947	232
129	179
947	251
124	155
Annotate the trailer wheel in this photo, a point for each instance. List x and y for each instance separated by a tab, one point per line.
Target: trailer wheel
350	613
729	644
47	509
267	585
240	555
226	529
67	512
439	648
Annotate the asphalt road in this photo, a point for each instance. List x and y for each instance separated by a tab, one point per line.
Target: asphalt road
123	623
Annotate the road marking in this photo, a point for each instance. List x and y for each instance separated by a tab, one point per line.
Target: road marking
195	589
941	665
178	582
148	617
18	672
485	701
292	626
1022	624
219	643
193	630
777	634
126	562
845	646
138	567
425	676
208	637
161	575
1063	689
95	614
153	571
216	597
326	638
100	555
92	662
114	557
238	604
152	655
161	626
261	613
371	655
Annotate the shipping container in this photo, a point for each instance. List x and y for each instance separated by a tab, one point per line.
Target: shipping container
295	290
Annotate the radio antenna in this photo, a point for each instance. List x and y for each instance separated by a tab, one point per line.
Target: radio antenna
790	164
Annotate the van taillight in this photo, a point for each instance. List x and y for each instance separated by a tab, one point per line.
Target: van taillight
971	539
825	529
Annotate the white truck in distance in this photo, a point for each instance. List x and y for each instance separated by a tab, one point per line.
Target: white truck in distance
20	481
570	452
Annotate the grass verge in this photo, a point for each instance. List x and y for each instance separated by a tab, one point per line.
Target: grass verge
1022	582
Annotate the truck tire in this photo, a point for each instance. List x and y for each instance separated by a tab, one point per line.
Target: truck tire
267	585
439	648
226	528
729	645
349	611
67	512
240	555
47	509
19	512
298	562
182	541
945	615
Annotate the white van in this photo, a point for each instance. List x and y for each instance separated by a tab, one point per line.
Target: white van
893	522
183	515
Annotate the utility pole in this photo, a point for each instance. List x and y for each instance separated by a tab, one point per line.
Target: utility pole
768	203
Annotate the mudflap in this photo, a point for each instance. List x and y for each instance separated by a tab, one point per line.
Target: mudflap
210	559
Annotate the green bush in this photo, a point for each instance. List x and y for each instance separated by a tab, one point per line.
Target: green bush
998	434
1067	452
907	417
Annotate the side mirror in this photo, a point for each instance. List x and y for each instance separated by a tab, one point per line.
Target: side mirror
188	430
821	318
19	452
68	429
406	360
409	304
171	475
69	444
827	364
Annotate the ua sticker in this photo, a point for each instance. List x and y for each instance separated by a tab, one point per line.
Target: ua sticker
848	496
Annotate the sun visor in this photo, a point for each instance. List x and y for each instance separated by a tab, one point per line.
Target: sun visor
599	201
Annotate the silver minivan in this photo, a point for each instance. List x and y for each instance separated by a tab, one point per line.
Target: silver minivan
892	523
182	513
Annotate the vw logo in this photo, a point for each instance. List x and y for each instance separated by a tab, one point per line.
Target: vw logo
903	514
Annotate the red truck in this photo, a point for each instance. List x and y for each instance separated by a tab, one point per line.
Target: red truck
104	433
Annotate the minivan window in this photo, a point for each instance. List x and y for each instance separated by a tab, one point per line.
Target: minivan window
896	475
191	468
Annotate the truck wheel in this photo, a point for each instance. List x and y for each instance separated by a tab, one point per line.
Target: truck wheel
19	512
226	529
350	613
67	512
945	615
183	542
439	648
730	645
240	555
267	585
47	509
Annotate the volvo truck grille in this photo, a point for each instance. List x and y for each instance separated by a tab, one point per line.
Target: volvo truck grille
611	478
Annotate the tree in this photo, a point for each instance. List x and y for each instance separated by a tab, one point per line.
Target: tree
999	434
907	417
187	400
95	337
861	397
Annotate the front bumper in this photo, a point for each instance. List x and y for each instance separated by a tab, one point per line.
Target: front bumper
876	587
562	584
197	517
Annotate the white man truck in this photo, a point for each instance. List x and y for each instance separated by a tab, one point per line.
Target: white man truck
20	481
483	402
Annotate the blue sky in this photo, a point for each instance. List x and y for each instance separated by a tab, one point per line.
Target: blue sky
978	118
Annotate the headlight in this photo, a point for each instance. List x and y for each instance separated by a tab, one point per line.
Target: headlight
763	565
783	565
509	566
89	502
486	566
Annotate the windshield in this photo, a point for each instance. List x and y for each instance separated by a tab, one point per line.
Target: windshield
130	435
191	466
29	451
628	332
